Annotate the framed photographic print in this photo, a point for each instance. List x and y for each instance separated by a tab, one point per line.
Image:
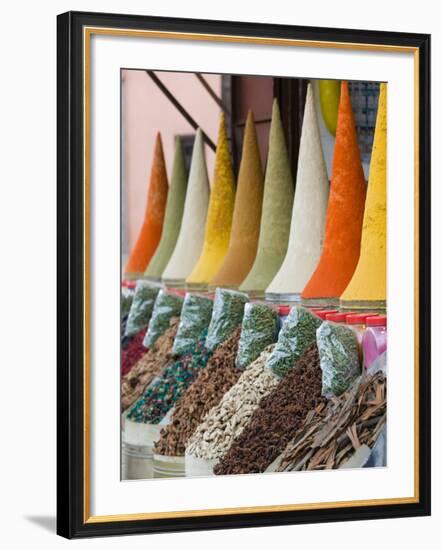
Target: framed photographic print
241	207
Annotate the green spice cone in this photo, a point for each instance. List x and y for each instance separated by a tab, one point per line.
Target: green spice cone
172	217
276	211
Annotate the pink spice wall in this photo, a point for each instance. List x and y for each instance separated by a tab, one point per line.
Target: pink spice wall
145	110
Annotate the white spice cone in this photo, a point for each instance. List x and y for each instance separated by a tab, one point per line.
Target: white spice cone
309	209
191	237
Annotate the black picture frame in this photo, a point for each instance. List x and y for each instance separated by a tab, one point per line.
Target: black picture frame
71	520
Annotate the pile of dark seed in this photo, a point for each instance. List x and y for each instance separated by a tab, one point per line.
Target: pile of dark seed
206	392
279	415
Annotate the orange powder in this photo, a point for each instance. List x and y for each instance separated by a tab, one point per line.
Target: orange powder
246	215
345	211
150	232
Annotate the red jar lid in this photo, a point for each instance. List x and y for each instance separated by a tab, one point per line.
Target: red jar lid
358	318
128	284
336	317
284	310
377	321
321	313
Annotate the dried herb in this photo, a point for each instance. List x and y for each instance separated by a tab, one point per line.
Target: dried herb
228	311
297	334
279	415
167	305
133	352
259	330
195	317
142	306
339	354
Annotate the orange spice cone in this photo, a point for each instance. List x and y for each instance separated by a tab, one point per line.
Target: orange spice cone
345	211
150	232
219	216
368	286
246	215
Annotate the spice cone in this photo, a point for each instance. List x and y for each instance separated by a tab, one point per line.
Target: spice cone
369	281
345	211
150	232
329	92
309	209
173	215
191	236
219	217
246	215
276	211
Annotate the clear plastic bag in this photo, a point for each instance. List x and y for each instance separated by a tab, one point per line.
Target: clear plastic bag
142	306
228	311
127	296
259	329
297	334
167	305
195	317
339	357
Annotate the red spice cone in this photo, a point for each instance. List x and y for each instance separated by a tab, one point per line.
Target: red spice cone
345	211
150	232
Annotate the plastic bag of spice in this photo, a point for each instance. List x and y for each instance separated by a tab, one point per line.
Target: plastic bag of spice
195	317
142	306
228	311
297	334
339	357
259	329
127	296
167	305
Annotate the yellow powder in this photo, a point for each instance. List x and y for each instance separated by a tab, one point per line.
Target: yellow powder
219	216
368	283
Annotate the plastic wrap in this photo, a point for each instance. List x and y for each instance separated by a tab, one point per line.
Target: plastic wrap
195	317
339	357
259	330
127	296
297	334
142	306
228	311
167	305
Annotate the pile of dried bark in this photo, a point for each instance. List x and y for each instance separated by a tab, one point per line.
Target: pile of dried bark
332	432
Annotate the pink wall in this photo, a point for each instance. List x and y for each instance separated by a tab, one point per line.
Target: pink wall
145	110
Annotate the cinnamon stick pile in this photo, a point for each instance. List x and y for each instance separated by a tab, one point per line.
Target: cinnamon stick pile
332	432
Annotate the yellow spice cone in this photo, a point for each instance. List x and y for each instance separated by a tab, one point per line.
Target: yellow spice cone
219	216
368	286
247	214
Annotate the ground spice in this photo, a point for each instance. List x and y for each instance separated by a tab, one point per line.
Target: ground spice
228	311
309	209
345	210
195	317
246	215
296	335
276	211
191	237
329	94
225	421
167	305
276	420
162	394
150	232
133	352
219	216
148	367
259	330
204	394
172	216
369	282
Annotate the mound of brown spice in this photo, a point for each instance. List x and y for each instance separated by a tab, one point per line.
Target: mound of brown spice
148	367
274	423
206	392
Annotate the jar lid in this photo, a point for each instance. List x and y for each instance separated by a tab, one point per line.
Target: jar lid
358	318
336	317
377	321
321	313
284	310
